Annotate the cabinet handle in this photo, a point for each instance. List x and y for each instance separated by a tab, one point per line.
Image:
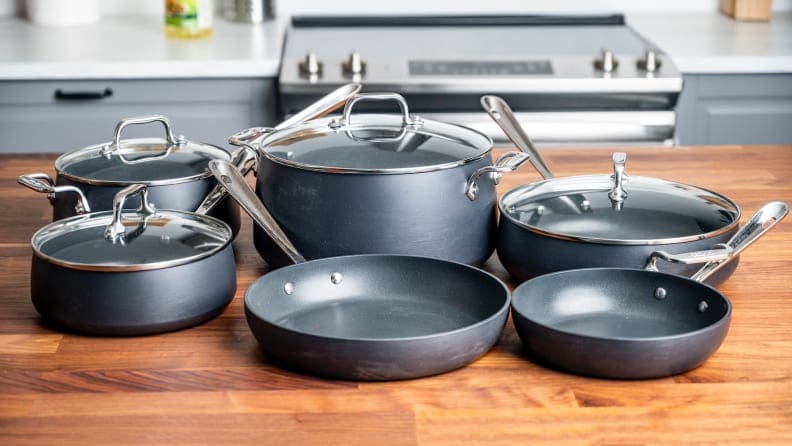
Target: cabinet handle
82	95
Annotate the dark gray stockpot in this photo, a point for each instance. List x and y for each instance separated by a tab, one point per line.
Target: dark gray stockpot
174	169
381	184
132	272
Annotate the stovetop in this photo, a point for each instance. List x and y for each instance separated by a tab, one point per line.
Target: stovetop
541	54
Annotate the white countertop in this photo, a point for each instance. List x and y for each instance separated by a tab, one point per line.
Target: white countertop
714	43
135	47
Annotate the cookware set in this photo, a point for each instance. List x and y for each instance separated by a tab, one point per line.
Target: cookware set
374	225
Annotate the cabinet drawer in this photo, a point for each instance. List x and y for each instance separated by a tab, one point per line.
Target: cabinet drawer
60	116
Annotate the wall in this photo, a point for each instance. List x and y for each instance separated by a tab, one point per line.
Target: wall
290	7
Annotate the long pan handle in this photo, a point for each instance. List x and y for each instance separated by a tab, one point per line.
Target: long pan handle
234	183
764	219
502	114
245	157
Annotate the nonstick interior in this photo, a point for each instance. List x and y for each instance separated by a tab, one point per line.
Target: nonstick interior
378	297
612	303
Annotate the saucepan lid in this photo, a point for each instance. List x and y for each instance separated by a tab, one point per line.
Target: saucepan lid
123	240
624	210
150	161
375	143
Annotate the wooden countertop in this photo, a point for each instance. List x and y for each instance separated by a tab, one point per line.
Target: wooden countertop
212	385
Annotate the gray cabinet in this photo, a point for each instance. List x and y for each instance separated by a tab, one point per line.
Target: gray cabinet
735	109
59	116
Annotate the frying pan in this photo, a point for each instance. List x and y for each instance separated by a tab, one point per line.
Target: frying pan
632	323
368	317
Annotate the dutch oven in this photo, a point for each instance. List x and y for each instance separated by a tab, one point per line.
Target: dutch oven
604	220
126	272
374	183
174	170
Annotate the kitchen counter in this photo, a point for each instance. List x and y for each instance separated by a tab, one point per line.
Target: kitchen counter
212	385
713	43
135	47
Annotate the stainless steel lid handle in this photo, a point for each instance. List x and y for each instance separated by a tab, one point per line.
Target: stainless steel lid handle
115	146
116	229
617	193
507	162
41	182
764	219
407	120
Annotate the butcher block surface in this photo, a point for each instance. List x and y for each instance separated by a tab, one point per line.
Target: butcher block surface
211	384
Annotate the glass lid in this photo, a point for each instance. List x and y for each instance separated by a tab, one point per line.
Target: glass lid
375	143
172	159
130	240
641	211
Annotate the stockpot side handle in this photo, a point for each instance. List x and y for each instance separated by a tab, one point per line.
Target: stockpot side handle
507	162
116	229
115	146
41	182
764	219
346	119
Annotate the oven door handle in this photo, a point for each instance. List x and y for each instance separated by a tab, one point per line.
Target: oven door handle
576	128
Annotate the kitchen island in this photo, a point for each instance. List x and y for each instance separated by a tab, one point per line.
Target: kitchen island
212	385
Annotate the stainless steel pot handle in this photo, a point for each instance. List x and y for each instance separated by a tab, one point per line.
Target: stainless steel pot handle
761	222
229	178
507	162
407	120
502	114
41	182
116	229
115	146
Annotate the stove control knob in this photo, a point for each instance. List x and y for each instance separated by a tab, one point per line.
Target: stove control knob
650	62
354	66
607	61
311	65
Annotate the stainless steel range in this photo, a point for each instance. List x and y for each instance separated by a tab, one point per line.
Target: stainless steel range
581	80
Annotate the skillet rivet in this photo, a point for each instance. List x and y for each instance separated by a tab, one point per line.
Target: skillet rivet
585	205
540	210
702	306
660	293
288	287
336	278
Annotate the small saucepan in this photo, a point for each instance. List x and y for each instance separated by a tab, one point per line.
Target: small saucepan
602	220
632	323
372	316
125	272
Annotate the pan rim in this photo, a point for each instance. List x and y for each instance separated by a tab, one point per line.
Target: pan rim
610	241
504	308
720	321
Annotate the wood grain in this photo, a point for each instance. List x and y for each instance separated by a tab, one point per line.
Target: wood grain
212	385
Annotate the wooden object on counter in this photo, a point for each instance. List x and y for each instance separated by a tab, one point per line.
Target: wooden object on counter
757	10
212	385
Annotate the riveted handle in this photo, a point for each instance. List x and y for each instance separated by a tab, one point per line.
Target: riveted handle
502	114
507	162
41	182
761	222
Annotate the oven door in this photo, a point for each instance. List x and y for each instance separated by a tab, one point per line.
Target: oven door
576	128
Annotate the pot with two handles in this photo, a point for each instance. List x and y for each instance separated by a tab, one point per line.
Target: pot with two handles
370	183
617	220
174	170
